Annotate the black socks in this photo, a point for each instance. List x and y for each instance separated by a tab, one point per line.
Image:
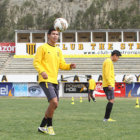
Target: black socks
49	122
45	121
108	110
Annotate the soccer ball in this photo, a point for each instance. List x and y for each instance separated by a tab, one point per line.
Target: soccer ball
84	88
129	79
60	24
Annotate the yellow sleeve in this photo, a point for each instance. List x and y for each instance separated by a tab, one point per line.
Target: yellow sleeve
108	73
37	60
63	64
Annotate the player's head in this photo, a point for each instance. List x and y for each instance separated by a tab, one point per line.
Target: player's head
100	78
53	35
90	76
115	55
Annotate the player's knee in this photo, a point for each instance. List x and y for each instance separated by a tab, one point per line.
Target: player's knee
55	104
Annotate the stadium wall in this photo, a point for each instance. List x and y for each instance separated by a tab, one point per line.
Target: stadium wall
83	48
68	78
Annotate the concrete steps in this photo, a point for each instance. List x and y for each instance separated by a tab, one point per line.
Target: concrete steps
84	66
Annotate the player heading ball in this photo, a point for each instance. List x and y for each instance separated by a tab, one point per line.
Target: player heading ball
48	60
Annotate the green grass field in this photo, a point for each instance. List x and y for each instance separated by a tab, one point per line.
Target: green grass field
20	118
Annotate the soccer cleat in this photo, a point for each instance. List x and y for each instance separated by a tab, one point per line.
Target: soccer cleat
109	120
51	131
43	130
94	100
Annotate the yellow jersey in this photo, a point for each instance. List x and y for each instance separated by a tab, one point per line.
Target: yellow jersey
108	73
49	59
92	84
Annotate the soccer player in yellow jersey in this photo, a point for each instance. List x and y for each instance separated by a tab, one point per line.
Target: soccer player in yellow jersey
48	60
92	86
109	82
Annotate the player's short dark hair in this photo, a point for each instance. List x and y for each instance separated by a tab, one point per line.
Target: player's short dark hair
51	30
90	76
118	53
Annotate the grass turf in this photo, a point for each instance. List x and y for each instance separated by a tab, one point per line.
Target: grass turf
20	118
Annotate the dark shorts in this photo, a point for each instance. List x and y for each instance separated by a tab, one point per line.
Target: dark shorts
51	90
109	93
90	91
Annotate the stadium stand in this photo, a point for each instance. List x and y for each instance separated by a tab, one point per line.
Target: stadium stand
84	65
4	57
19	66
79	43
94	66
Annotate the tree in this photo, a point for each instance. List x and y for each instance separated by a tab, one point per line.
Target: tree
3	13
3	20
48	22
39	20
26	22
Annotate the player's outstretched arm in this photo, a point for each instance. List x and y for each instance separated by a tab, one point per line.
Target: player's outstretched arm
63	65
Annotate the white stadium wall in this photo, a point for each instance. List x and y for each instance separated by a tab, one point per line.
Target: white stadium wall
68	78
20	78
85	48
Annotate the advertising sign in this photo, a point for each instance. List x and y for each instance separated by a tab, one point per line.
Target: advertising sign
20	89
83	88
133	90
35	90
7	47
6	89
76	87
119	90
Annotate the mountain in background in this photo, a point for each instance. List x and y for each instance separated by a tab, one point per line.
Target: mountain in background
80	14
